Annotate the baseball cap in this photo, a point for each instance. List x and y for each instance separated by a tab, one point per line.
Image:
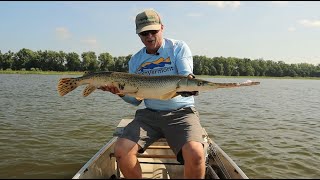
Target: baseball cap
147	20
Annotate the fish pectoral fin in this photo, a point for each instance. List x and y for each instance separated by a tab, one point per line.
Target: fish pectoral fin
139	98
133	94
188	93
169	95
88	90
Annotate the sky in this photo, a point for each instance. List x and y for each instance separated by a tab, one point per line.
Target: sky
286	31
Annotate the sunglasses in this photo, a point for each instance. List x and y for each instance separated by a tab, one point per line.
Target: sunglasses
145	33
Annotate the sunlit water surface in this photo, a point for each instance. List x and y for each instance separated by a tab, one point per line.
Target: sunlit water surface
271	130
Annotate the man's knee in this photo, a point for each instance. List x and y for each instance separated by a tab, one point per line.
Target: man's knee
124	147
193	153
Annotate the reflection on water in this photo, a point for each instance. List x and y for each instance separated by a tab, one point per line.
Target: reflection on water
271	130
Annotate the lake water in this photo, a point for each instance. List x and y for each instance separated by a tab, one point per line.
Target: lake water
271	130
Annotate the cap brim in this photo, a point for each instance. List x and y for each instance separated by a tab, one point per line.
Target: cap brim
148	28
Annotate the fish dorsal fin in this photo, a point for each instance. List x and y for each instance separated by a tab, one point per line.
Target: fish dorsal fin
89	73
88	90
86	73
169	95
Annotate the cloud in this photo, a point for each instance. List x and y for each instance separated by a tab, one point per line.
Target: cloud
310	23
221	4
90	42
291	29
62	33
194	14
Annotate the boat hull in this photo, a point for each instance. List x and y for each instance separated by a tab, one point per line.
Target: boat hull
159	161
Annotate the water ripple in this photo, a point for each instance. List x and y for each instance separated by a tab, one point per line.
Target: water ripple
270	131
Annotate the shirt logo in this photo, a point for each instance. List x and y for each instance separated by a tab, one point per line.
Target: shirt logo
161	62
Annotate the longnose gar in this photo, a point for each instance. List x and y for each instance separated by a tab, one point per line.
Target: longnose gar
142	86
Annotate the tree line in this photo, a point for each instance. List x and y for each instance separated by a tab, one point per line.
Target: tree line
26	59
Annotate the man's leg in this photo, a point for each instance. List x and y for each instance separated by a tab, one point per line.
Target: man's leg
126	154
194	161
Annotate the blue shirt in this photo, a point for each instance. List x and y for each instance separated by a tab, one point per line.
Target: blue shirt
174	57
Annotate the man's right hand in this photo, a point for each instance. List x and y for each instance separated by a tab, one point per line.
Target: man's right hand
112	89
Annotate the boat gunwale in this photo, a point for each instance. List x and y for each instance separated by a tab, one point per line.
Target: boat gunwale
228	158
215	150
95	157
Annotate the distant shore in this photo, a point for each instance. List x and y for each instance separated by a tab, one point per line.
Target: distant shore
41	72
201	76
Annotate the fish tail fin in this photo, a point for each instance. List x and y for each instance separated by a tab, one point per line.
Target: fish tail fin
88	90
66	85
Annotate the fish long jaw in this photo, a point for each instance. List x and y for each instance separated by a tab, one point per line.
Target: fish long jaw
231	85
207	86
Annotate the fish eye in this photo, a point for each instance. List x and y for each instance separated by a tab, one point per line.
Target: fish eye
200	83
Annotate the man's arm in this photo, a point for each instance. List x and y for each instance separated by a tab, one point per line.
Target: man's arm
189	93
184	63
115	90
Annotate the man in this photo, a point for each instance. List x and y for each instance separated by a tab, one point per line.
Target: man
176	119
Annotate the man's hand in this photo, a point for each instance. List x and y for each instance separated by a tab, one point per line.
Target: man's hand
189	93
191	76
112	89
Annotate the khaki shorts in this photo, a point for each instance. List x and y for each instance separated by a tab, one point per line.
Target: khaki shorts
178	127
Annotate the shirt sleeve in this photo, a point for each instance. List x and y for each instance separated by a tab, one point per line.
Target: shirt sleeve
130	99
183	58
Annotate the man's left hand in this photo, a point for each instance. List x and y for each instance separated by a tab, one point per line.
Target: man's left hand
189	93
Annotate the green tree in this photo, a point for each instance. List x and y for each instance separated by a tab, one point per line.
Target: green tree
32	61
306	69
316	73
60	61
292	70
73	62
120	64
197	64
23	58
89	61
249	70
229	66
43	58
210	65
263	67
241	67
206	65
106	62
126	67
256	66
52	60
218	64
1	60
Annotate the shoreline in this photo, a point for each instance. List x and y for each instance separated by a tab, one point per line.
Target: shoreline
201	76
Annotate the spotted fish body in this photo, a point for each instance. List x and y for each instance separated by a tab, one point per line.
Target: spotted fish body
141	86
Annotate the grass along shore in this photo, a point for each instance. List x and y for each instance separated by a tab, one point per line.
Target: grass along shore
42	72
198	76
